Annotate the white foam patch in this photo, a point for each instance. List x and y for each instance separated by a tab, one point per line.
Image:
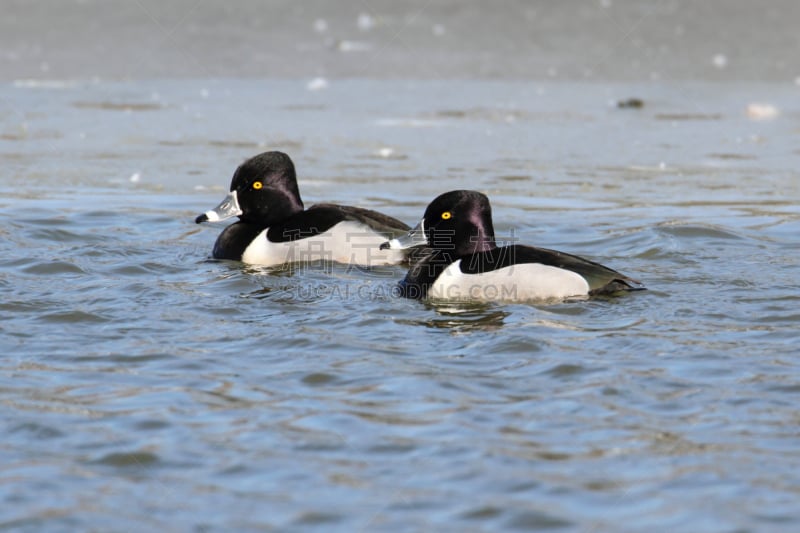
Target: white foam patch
45	84
347	242
317	84
517	283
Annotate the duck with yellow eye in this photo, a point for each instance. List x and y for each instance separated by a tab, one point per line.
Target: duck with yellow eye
463	262
274	228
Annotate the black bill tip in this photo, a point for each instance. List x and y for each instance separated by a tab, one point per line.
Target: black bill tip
384	246
202	218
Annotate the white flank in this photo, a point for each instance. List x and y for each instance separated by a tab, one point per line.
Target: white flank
517	283
347	242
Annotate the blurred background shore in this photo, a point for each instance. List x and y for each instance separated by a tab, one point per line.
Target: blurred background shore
624	40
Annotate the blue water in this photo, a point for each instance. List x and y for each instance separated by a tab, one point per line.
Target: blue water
145	386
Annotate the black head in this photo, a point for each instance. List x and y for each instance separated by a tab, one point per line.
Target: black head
266	188
460	221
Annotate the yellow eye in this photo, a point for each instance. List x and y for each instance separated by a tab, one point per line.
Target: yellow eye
446	215
257	185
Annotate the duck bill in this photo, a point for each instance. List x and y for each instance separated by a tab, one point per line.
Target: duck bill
415	237
228	207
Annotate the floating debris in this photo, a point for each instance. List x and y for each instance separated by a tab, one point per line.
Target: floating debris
320	25
758	111
630	103
688	116
317	84
731	156
45	84
408	123
353	46
118	106
365	22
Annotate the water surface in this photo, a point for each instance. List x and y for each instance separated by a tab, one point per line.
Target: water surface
146	387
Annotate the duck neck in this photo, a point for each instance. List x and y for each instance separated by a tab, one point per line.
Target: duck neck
481	234
482	242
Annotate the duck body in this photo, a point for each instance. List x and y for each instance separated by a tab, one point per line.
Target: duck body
339	233
274	228
463	263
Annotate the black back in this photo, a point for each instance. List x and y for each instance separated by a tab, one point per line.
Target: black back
322	217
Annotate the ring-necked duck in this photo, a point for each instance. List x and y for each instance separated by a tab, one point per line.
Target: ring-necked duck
464	263
274	228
